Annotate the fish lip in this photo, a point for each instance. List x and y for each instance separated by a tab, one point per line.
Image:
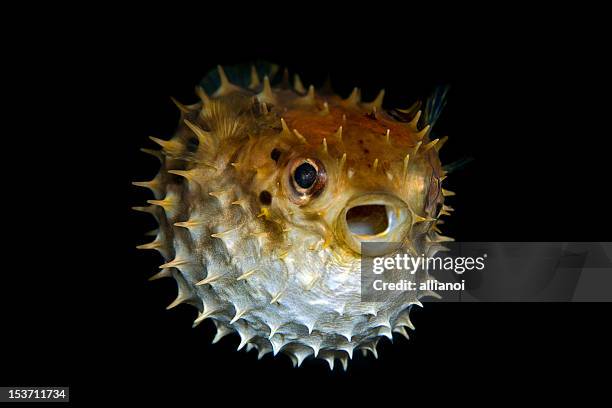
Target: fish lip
399	224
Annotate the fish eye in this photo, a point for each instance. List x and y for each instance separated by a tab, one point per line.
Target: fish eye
307	179
305	175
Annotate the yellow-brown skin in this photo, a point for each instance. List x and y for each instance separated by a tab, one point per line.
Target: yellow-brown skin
284	273
363	140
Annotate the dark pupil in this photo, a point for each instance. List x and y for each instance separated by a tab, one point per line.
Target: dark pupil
305	175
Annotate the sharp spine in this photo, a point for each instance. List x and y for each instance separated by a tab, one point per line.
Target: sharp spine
152	185
154	153
404	320
415	121
204	98
222	331
165	144
180	106
179	299
174	263
244	340
203	316
208	280
297	84
284	126
429	145
338	134
220	235
325	110
226	86
237	316
421	134
164	273
299	136
376	104
441	143
405	167
342	163
187	174
148	209
267	95
254	84
166	204
417	218
203	136
276	297
416	148
354	98
309	98
402	331
151	245
188	224
247	274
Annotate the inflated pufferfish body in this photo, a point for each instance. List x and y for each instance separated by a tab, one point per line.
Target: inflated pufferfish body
264	198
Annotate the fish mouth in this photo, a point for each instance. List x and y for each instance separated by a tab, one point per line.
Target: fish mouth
369	219
382	221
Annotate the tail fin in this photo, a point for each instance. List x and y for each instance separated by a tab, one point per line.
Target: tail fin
432	111
434	105
457	164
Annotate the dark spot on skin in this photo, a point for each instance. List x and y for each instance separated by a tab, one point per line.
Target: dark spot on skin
265	197
275	154
366	151
360	141
192	144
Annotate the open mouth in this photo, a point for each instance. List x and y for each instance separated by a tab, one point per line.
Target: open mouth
380	219
367	219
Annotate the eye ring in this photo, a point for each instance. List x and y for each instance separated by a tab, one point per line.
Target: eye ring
307	178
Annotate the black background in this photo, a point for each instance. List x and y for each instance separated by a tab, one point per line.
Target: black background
526	103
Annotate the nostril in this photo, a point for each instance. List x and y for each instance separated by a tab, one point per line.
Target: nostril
367	219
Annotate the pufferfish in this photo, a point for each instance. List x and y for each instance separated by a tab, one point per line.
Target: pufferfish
265	197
